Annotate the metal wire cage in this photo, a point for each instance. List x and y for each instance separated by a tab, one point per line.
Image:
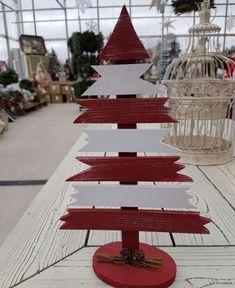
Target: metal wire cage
201	92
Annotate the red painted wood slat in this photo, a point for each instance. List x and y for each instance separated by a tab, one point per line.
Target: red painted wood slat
125	111
124	43
135	220
131	169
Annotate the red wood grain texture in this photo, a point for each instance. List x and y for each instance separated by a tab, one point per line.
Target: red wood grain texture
135	220
130	239
131	169
124	43
125	111
132	277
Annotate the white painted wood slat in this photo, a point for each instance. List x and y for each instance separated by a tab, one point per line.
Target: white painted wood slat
127	140
121	79
131	196
100	237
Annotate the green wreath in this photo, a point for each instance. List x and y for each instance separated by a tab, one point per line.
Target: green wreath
187	6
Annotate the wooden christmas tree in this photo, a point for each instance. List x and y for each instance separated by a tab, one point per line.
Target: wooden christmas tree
142	264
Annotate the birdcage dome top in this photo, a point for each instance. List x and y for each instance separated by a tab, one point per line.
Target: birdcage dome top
202	60
200	67
204	27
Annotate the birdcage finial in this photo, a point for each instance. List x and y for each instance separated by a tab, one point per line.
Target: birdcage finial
204	12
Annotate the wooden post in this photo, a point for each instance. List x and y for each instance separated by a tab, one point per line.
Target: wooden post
129	239
125	41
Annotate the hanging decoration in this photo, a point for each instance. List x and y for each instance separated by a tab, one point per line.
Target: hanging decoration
92	26
159	4
187	6
156	3
230	22
82	5
168	24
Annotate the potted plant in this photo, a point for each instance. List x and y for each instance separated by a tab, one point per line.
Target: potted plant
8	77
26	84
84	48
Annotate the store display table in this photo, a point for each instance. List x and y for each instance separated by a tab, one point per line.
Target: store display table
38	254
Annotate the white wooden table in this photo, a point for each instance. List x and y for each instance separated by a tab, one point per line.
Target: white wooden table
38	254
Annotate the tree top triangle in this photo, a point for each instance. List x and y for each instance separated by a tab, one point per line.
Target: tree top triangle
123	43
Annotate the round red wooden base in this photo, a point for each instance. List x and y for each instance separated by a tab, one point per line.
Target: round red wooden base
127	276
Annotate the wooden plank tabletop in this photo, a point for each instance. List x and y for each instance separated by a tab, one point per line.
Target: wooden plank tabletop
209	201
38	254
197	267
36	242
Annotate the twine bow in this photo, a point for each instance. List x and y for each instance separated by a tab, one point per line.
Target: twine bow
132	257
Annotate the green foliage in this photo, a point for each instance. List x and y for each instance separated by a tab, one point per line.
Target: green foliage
81	87
186	6
100	41
4	96
75	49
75	64
84	47
85	42
53	62
8	77
26	84
88	42
84	64
74	43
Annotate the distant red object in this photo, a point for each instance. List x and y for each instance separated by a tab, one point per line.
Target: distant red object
125	111
131	169
230	69
123	43
135	220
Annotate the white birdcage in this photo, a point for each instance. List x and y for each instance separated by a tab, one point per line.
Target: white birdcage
201	93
